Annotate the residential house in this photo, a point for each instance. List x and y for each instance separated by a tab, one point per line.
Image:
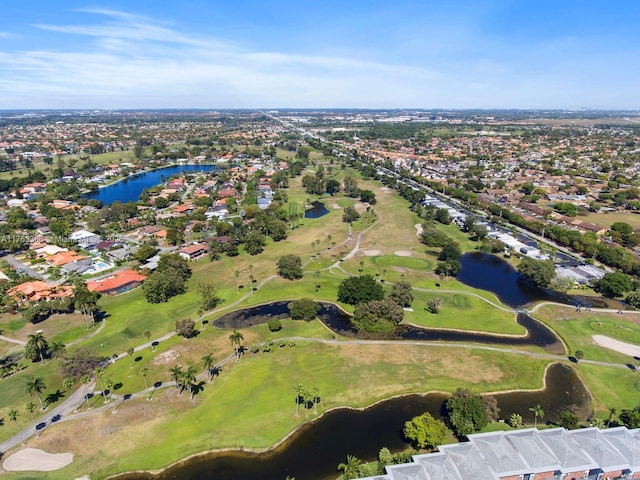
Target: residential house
38	290
85	238
62	258
193	252
120	282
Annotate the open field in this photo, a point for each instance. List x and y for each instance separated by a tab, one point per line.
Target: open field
606	219
257	394
577	329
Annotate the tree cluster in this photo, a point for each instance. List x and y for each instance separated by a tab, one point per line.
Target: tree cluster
466	412
186	328
540	272
424	431
168	280
290	267
304	309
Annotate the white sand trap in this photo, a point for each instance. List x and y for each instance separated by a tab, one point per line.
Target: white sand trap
36	460
386	190
335	205
85	477
402	253
418	229
372	253
617	345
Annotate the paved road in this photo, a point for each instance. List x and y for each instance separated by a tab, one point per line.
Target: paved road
19	266
54	415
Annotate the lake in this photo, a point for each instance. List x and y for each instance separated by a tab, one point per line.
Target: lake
129	189
314	451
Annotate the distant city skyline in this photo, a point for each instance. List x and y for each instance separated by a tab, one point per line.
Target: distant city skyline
460	54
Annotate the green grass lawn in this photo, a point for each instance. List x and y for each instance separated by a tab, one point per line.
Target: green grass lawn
577	329
463	312
257	394
405	262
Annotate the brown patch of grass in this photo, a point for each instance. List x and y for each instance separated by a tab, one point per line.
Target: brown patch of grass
458	364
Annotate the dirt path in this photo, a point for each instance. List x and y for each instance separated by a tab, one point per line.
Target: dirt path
13	340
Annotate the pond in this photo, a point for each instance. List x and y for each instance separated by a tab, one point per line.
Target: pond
491	273
316	449
129	189
339	322
317	210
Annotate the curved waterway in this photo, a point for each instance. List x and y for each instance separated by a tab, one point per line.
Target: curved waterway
339	322
315	450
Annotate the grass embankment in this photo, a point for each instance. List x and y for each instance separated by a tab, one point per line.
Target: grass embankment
251	403
578	328
463	312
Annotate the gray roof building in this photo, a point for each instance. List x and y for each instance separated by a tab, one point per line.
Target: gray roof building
556	454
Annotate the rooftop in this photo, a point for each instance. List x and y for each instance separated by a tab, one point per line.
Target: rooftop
554	452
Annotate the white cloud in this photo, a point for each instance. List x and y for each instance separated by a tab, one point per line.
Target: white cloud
135	57
131	61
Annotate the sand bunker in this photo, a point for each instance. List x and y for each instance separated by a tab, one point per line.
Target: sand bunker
402	253
36	460
418	229
372	253
617	345
335	205
386	190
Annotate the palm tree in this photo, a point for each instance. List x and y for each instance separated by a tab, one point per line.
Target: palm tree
130	351
515	420
38	344
109	384
57	350
176	376
307	397
236	337
208	363
299	391
31	407
144	371
68	383
612	415
147	336
537	412
351	469
237	274
35	386
98	372
13	416
316	399
188	378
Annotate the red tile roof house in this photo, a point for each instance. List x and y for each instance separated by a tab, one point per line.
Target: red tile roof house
193	252
120	282
38	290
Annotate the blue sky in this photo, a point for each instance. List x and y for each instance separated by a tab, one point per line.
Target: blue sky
348	54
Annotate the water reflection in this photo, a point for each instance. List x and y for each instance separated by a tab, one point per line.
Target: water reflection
315	450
